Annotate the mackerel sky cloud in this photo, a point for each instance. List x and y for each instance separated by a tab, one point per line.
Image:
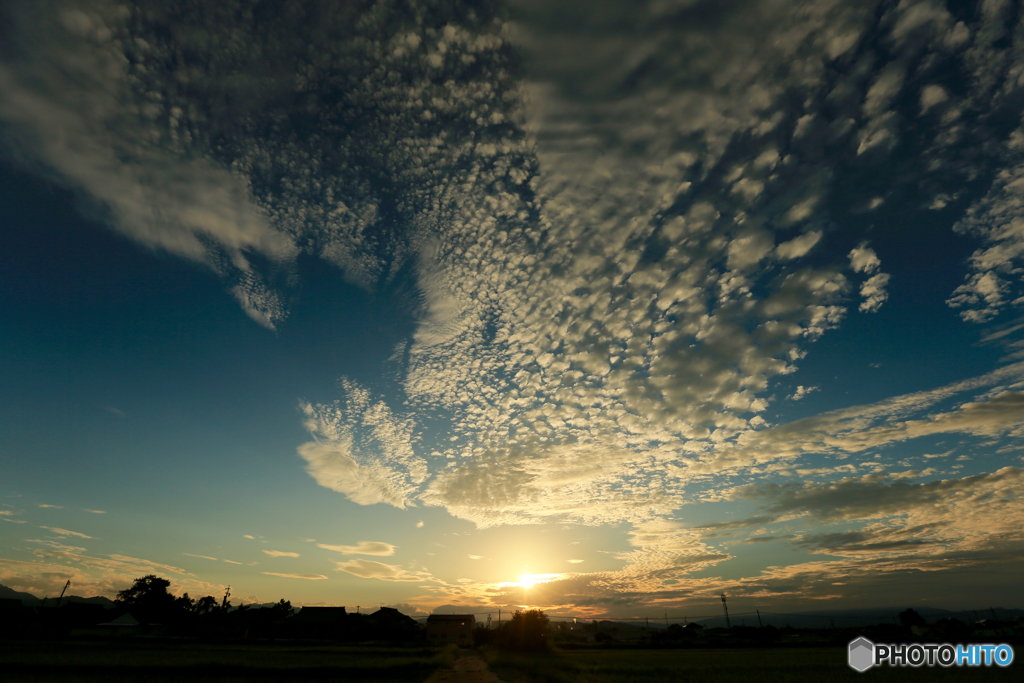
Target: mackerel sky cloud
650	300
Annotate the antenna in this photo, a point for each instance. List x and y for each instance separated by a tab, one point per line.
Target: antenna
69	583
726	609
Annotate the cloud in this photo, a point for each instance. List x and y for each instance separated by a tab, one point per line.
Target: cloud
857	429
873	292
863	259
57	546
44	505
311	577
252	538
993	281
203	557
419	525
95	512
231	562
801	392
280	553
931	96
475	557
64	532
876	495
798	246
617	252
574	561
56	563
369	569
362	548
364	450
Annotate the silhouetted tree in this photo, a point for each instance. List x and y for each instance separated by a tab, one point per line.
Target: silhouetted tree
184	604
527	631
910	617
148	599
282	610
205	605
953	630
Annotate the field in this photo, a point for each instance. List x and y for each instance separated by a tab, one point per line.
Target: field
171	662
820	665
174	662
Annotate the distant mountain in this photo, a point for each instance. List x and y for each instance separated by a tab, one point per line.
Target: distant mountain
98	600
26	598
30	600
844	618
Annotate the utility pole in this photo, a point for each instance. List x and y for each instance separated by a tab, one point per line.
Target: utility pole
666	619
499	618
69	583
726	609
759	625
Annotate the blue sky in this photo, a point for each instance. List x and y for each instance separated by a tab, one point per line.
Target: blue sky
604	308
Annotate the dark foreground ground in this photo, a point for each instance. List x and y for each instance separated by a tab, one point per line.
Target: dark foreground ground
168	661
173	662
776	665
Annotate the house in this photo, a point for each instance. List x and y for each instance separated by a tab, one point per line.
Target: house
124	626
450	628
388	622
320	622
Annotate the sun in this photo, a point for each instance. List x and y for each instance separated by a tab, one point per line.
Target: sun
526	580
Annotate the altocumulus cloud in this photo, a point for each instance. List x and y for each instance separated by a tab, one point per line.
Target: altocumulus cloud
622	232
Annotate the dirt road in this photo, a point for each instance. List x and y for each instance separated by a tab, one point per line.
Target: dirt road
469	668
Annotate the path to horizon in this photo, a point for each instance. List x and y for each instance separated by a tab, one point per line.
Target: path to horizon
470	667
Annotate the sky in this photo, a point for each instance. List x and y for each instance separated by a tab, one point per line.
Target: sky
602	307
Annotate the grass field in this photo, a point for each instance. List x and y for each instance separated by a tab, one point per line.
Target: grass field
170	662
173	662
819	665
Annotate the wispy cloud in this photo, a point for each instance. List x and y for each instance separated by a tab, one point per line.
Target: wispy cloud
204	557
369	569
280	553
46	505
64	532
311	577
56	563
362	548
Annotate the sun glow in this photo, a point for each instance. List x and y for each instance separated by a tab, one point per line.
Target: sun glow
526	580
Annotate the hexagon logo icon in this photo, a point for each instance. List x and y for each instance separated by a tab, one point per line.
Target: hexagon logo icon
862	654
